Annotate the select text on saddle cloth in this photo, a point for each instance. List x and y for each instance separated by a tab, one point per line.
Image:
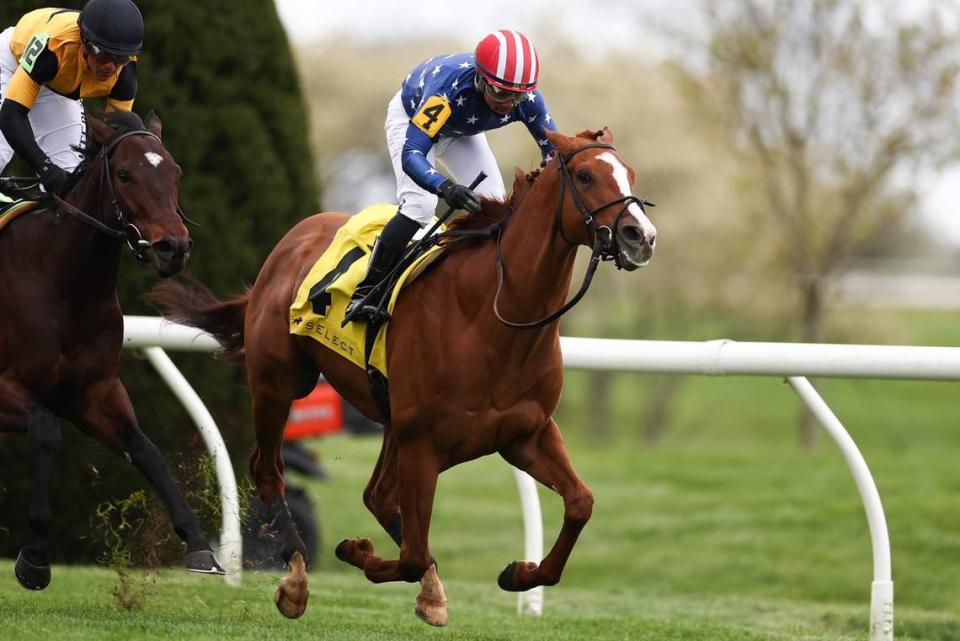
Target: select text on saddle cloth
327	332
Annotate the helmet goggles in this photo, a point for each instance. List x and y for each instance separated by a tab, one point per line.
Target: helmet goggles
103	56
501	95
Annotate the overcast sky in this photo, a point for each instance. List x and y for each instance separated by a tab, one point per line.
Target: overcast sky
385	20
379	20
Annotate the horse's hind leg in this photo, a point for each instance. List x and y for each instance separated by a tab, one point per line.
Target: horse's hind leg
417	473
33	563
544	456
266	466
380	497
278	373
108	416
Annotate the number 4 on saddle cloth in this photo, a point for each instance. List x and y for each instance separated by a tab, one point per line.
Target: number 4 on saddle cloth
321	302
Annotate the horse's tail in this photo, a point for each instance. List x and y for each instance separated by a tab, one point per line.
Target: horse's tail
192	303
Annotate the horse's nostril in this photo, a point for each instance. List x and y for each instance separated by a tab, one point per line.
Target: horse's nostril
163	248
169	247
632	235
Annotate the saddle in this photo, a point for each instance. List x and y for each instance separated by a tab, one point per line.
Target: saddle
15	200
319	307
12	209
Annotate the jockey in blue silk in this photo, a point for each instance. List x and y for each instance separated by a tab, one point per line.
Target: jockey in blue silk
440	113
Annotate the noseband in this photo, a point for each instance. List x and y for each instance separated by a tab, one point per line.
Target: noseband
126	231
605	245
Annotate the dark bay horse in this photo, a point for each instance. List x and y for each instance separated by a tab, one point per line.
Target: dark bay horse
61	328
465	379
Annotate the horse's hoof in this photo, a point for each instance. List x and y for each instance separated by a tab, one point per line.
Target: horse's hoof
204	562
287	603
432	602
432	614
30	576
361	548
292	593
509	579
505	580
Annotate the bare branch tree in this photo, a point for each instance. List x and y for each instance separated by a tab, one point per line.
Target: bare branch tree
833	107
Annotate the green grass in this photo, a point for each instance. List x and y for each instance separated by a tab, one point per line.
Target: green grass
725	530
685	543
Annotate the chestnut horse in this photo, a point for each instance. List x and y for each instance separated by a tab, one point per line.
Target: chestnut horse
467	378
61	328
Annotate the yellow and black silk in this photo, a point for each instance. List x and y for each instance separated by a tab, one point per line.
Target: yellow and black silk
47	45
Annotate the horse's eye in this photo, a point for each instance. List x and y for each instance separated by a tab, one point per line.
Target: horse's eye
124	175
584	177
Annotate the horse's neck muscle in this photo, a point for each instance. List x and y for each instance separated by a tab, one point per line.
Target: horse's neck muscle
538	263
90	259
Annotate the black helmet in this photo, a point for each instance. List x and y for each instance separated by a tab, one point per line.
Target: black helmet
115	26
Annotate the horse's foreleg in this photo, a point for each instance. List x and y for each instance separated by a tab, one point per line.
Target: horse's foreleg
33	563
544	456
266	466
380	497
108	416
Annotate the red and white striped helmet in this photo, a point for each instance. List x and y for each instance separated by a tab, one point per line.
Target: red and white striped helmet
507	59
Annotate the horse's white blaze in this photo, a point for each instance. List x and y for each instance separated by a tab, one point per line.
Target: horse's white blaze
623	181
153	159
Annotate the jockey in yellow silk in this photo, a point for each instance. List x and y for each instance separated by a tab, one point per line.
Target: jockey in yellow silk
51	60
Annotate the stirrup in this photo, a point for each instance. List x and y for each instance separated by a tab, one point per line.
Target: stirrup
370	312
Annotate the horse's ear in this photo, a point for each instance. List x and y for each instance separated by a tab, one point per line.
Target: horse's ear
153	124
600	135
102	132
560	142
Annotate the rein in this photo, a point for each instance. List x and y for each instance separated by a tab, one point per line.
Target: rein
605	246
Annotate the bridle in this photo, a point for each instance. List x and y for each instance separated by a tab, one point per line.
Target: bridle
126	231
610	247
605	245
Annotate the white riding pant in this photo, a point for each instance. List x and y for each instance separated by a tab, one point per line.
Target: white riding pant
57	122
462	157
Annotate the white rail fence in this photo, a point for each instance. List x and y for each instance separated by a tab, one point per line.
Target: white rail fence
794	361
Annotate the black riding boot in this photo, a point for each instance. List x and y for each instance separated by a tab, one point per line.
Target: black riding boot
387	252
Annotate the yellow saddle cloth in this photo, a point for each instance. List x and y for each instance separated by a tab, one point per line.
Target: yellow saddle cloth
8	213
322	299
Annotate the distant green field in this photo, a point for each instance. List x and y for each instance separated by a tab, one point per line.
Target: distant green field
725	530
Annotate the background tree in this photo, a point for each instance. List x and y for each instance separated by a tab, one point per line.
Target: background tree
832	108
222	77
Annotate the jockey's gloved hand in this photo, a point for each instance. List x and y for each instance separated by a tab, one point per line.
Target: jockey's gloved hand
54	179
459	196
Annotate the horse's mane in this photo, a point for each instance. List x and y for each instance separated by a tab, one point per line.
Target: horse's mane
493	211
121	121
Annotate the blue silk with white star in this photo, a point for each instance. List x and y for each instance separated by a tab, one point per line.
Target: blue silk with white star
452	78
